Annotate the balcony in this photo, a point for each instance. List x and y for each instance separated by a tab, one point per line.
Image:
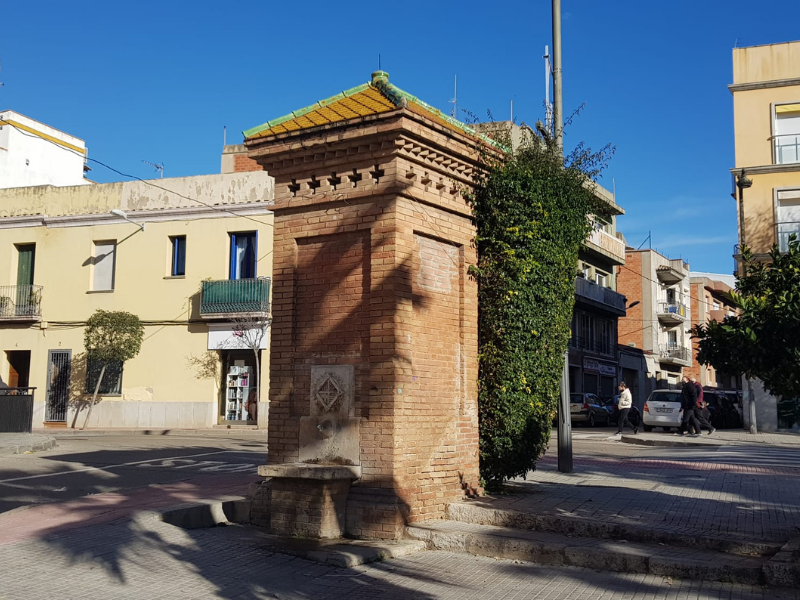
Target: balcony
226	298
677	355
599	297
21	303
595	346
607	245
783	233
669	274
672	312
786	149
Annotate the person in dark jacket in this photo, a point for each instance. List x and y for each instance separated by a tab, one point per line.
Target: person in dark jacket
701	413
688	404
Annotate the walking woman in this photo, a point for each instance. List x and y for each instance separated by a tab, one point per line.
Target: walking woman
625	402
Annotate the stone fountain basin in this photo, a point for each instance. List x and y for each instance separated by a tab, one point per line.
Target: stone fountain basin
316	471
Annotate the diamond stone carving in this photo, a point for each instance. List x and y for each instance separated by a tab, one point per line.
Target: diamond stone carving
328	394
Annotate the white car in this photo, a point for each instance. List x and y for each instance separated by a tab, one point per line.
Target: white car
662	409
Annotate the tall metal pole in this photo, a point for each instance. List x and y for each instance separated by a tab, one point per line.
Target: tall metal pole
751	400
564	422
558	110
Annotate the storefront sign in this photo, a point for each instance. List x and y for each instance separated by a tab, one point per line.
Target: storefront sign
228	337
595	366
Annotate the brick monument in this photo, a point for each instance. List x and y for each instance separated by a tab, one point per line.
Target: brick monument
374	337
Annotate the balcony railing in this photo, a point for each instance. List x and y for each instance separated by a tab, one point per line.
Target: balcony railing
672	353
783	232
674	311
600	296
787	149
21	302
590	345
235	296
608	244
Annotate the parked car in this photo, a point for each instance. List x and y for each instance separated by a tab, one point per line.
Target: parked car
662	409
724	414
612	405
589	409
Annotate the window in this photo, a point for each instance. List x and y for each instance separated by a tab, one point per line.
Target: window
671	296
716	305
587	271
788	216
243	255
601	278
672	339
603	336
786	133
112	378
178	267
103	265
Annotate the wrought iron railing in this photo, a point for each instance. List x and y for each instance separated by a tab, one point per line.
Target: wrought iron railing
235	296
787	149
20	301
675	352
597	346
16	409
672	308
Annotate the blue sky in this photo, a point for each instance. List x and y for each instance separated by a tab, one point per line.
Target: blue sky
157	81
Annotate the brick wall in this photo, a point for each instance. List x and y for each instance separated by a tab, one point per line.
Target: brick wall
242	162
372	242
696	293
629	283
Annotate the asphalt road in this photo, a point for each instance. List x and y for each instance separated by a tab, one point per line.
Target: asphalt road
80	466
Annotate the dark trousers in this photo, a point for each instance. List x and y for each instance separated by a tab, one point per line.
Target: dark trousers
694	419
622	420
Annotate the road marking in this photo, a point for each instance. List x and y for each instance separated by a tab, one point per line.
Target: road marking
128	464
215	466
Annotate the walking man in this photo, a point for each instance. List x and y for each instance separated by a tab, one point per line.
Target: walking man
625	402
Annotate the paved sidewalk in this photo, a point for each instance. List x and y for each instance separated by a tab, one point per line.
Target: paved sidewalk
720	437
146	558
738	492
17	443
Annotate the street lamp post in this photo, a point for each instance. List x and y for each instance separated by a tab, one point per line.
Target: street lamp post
742	183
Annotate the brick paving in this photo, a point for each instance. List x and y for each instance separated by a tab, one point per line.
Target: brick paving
146	558
746	493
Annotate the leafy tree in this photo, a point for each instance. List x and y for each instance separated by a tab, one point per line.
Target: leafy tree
111	336
763	341
532	213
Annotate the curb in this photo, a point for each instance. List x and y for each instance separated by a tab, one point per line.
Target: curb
620	556
336	552
210	432
29	446
467	512
667	443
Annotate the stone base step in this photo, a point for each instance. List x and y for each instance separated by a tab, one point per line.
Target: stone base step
238	425
603	554
473	513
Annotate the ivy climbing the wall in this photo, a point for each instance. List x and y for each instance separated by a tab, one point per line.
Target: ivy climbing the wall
532	212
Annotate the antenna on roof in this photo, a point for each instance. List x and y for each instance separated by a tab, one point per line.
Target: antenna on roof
548	106
454	101
157	166
379	62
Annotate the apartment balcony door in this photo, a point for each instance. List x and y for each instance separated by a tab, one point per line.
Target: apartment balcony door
26	258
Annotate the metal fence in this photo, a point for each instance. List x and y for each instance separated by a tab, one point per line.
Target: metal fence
16	410
672	308
787	149
229	296
20	301
675	352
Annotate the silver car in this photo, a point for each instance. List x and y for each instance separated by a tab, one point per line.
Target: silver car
662	409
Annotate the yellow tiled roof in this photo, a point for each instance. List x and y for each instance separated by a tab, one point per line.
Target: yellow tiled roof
378	96
362	101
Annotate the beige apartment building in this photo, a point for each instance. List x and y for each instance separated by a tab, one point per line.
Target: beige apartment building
766	111
186	255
